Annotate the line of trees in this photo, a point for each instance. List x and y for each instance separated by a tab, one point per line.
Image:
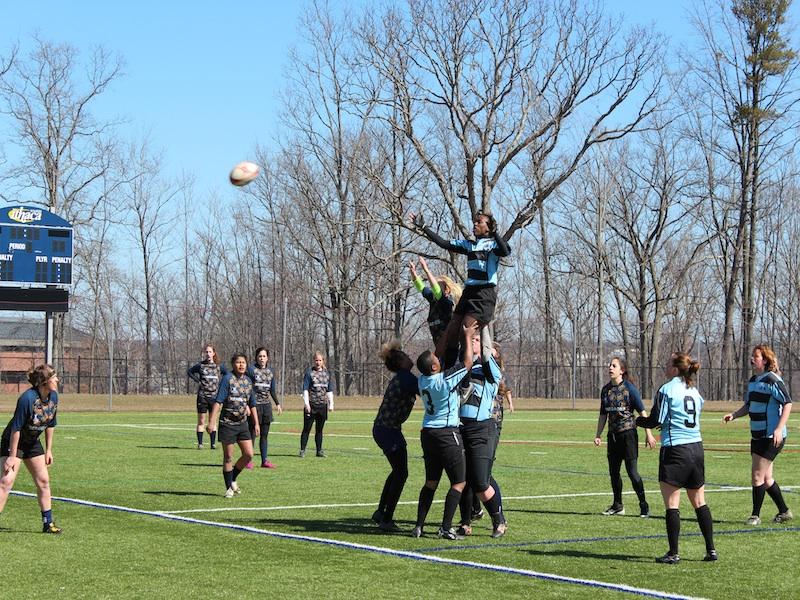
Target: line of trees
650	205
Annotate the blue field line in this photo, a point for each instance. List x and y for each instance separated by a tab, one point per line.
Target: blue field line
615	538
617	587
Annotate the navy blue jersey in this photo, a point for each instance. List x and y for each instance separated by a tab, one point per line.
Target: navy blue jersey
208	375
398	400
484	391
235	394
33	415
317	383
618	401
678	408
264	383
439	395
766	397
440	312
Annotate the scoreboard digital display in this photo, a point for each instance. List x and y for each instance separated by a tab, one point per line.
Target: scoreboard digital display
35	248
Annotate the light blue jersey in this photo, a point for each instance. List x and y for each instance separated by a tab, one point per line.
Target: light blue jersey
479	404
482	260
679	410
440	397
766	397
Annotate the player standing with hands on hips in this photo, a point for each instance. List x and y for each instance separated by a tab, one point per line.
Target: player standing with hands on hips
769	405
317	401
35	414
479	297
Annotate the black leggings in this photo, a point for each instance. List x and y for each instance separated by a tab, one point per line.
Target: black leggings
631	466
308	420
395	482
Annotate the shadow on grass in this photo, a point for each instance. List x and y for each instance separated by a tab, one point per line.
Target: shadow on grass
163	447
178	493
363	526
216	465
596	555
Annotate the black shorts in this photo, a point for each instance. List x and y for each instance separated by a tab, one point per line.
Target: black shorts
204	404
230	434
682	466
623	445
443	449
389	439
264	414
479	445
26	448
478	302
764	448
320	410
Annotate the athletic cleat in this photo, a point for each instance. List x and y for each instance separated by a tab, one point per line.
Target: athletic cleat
229	493
753	520
213	446
449	534
267	465
477	516
389	527
669	559
51	528
417	531
644	510
199	446
377	516
783	517
464	530
614	509
320	453
249	466
499	530
235	487
711	556
302	453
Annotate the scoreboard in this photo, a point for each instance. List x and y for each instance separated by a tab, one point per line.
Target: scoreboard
35	248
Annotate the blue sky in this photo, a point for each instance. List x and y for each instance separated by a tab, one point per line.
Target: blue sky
204	77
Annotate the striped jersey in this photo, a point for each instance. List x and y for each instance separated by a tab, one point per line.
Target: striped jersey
766	397
439	396
484	390
678	408
482	260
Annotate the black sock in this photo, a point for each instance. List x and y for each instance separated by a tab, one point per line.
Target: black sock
673	529
495	507
235	473
706	525
777	497
424	504
450	504
213	435
228	476
200	437
758	498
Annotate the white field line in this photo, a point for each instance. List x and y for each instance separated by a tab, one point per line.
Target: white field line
414	502
385	551
156	426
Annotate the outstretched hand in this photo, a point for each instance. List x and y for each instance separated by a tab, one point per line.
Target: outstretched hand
417	219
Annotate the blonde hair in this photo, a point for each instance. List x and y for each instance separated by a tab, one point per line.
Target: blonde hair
40	375
322	356
454	288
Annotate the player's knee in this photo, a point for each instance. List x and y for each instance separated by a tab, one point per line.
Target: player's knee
42	482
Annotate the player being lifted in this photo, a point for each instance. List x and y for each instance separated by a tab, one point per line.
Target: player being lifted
480	290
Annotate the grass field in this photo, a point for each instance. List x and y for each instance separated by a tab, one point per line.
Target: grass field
144	515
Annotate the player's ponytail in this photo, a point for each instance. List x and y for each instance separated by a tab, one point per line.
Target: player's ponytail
686	366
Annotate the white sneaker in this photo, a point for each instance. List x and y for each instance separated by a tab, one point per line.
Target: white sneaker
235	488
753	520
229	493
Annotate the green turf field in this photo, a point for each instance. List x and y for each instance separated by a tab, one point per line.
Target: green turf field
554	483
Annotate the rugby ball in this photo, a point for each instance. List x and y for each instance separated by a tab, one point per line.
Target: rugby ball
243	173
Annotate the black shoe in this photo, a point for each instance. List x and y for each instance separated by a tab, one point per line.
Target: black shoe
476	516
213	446
321	453
449	534
389	527
644	510
377	516
669	559
711	556
51	528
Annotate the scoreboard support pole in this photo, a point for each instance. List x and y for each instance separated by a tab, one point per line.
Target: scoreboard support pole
48	338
